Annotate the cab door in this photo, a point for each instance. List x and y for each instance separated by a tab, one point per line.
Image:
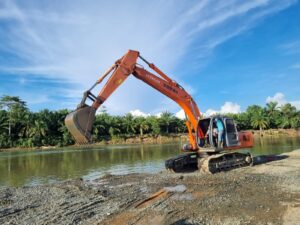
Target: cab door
204	126
231	134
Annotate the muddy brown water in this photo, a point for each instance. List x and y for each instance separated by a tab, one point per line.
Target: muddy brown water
22	167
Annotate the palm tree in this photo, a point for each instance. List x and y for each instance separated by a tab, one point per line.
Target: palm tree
295	121
4	138
154	125
259	120
66	137
16	109
273	114
114	131
3	121
288	109
100	125
285	122
288	113
271	108
114	125
253	109
38	131
26	126
165	120
144	126
128	123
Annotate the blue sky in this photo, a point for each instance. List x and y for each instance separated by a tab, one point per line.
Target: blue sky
227	54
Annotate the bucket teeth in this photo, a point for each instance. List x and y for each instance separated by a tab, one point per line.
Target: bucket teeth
79	124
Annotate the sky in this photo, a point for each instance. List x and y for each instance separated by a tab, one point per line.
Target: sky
226	54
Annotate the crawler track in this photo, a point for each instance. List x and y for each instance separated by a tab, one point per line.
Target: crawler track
209	164
224	162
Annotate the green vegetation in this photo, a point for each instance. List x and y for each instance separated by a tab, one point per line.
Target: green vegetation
19	127
269	117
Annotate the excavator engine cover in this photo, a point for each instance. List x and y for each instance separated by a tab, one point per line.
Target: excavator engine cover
80	122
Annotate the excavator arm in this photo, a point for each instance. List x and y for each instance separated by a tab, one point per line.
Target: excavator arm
80	122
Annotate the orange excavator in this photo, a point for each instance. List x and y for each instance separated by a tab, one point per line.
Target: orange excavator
203	150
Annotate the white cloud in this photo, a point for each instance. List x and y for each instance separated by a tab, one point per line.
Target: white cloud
281	100
36	99
296	104
210	112
180	114
228	107
229	13
138	113
75	43
292	47
158	115
278	97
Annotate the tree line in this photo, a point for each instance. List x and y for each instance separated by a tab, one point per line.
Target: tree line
20	127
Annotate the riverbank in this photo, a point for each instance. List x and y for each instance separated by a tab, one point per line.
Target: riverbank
147	139
268	193
278	132
160	139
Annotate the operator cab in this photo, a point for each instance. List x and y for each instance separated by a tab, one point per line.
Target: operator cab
209	129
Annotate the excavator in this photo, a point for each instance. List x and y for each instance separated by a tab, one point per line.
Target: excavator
203	151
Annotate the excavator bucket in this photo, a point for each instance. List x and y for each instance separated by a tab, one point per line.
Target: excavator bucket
80	122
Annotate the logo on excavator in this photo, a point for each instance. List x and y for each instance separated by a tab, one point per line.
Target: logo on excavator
170	88
152	78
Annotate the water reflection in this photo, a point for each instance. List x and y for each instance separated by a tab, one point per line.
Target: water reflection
275	145
34	167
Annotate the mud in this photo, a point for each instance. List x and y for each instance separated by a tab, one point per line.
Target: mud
267	193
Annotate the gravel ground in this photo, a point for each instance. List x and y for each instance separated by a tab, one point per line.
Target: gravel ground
268	193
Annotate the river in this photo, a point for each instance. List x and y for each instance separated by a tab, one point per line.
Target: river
22	167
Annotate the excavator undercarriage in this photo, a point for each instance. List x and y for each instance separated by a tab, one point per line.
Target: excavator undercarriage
208	163
205	151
